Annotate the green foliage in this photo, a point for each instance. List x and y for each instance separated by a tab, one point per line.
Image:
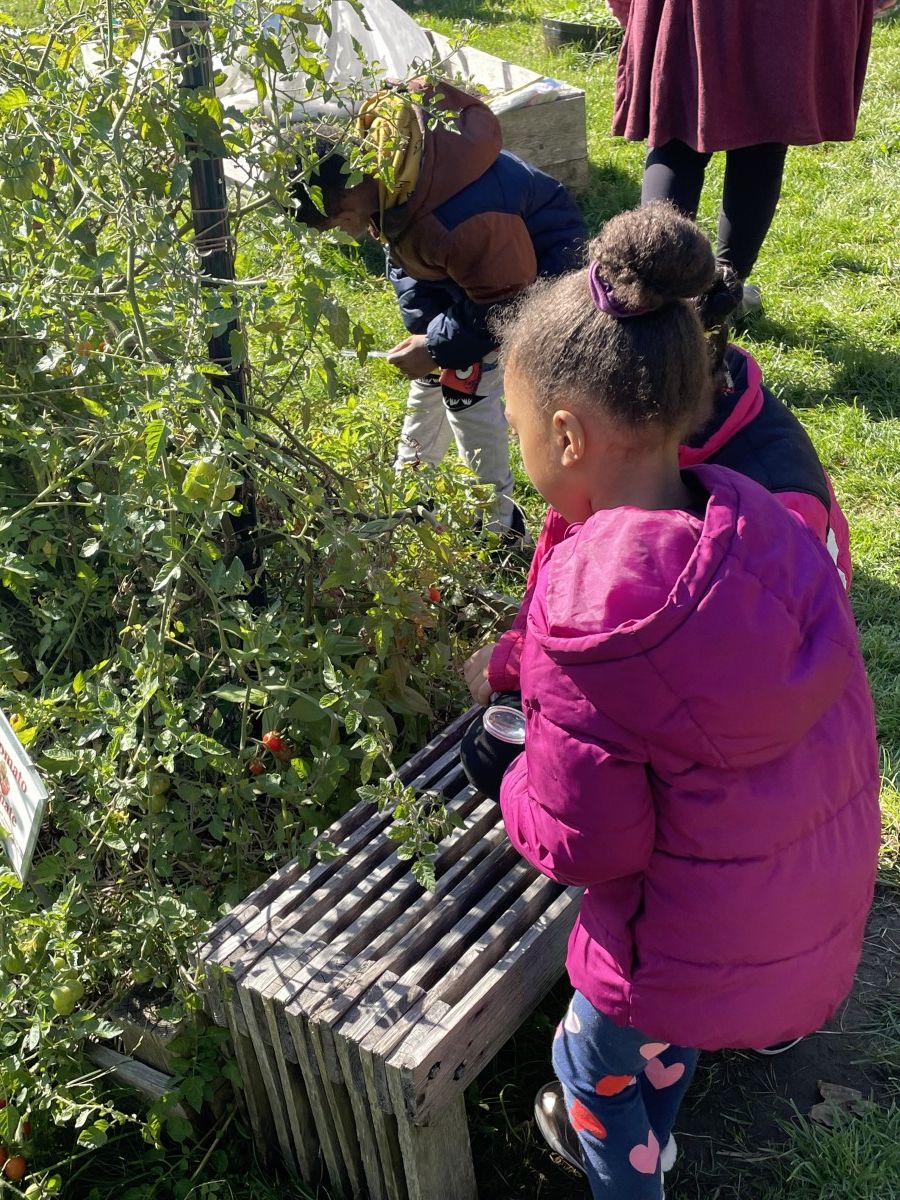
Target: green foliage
137	648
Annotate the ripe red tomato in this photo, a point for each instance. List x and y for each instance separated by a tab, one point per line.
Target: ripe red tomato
15	1168
434	595
273	741
256	767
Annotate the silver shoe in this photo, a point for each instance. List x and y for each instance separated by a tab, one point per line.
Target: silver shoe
750	304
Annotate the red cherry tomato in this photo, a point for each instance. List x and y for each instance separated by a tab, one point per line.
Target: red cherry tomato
15	1168
257	766
273	741
434	595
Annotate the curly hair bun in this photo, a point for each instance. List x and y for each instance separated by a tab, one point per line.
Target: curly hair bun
653	255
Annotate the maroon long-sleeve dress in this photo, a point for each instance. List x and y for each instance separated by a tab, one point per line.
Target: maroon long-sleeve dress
721	74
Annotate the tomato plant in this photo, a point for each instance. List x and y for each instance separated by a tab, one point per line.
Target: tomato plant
133	644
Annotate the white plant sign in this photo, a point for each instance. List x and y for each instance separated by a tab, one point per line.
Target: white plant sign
22	799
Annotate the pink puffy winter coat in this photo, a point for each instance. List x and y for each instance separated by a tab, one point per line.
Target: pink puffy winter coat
700	755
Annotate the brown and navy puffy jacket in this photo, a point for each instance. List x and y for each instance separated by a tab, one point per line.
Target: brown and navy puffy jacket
480	226
754	434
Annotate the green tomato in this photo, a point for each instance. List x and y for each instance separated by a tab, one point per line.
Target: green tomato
13	963
200	481
156	803
65	996
160	782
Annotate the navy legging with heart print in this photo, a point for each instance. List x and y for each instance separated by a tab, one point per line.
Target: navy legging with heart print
623	1091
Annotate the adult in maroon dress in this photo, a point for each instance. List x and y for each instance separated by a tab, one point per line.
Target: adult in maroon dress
750	77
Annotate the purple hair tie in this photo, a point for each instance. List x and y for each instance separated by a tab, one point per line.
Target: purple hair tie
605	300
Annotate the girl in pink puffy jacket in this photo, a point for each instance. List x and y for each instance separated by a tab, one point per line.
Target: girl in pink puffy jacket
700	747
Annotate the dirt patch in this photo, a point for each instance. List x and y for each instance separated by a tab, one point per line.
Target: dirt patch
730	1124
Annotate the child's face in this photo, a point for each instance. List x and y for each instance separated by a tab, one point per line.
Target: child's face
552	447
582	462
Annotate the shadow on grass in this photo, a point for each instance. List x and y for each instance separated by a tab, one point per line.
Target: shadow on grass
867	377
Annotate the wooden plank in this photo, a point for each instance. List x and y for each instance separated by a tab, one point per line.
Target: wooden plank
342	1116
416	926
549	133
433	947
269	1072
387	1133
327	1134
137	1076
296	1100
417	772
574	174
448	1047
437	1159
312	955
253	1088
519	894
368	1132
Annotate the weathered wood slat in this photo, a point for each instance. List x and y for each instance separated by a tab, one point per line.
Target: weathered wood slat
321	1110
388	1139
443	1054
240	930
381	1009
268	1070
362	1005
137	1076
437	1160
298	1110
412	932
312	955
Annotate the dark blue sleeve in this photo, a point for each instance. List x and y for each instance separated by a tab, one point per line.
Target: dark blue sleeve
455	326
459	336
420	302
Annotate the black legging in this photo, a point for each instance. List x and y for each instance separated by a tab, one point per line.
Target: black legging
749	198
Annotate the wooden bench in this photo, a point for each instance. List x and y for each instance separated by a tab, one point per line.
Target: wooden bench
361	1006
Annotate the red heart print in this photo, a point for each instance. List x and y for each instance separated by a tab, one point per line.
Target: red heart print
583	1119
662	1076
644	1158
611	1085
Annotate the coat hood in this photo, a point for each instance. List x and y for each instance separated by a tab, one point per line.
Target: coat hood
738	619
457	151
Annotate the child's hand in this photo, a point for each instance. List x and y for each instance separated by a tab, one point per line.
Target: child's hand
475	672
412	357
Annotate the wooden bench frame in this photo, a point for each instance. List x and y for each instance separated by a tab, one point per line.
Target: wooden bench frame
361	1006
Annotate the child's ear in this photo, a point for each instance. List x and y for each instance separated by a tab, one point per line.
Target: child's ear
569	433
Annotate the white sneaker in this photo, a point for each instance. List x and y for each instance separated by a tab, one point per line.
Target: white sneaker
779	1047
668	1154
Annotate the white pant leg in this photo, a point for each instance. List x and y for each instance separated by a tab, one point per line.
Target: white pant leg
482	437
425	437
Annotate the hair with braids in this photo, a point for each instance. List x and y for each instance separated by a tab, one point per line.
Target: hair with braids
651	371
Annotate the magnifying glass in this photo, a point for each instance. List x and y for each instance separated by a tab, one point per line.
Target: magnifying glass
506	724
